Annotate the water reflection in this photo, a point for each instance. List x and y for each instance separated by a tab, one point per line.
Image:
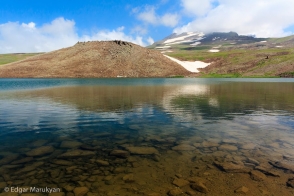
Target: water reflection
127	139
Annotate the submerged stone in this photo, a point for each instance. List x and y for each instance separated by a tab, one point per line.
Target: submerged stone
257	175
77	153
23	160
208	144
120	153
242	190
62	162
175	192
142	150
29	168
267	171
248	146
8	159
102	162
80	191
70	144
228	147
231	167
43	150
290	182
183	147
199	186
129	178
180	182
282	165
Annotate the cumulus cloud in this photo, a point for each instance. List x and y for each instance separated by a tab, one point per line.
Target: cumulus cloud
117	34
148	15
197	7
262	18
18	37
150	40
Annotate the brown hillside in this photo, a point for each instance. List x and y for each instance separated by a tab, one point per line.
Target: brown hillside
95	59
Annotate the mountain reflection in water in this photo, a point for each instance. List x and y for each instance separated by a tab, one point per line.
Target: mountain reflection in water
137	139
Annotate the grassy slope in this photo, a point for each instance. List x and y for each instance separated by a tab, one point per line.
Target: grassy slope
247	60
9	58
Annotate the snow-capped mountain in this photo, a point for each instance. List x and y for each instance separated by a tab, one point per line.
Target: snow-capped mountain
195	39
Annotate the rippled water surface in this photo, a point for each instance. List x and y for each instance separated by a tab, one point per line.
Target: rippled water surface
148	136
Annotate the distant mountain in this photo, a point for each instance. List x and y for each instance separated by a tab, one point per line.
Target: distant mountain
232	55
95	59
198	38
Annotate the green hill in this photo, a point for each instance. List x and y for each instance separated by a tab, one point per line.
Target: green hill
232	55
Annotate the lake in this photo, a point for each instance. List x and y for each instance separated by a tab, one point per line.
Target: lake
147	136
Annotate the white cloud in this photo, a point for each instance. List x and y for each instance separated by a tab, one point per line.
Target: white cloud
149	16
16	37
117	34
170	20
197	7
150	40
263	18
142	30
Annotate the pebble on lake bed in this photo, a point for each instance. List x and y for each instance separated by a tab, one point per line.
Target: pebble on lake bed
257	175
129	178
180	182
290	182
242	190
199	186
80	191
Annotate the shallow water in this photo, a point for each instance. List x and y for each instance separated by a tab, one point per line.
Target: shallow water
172	134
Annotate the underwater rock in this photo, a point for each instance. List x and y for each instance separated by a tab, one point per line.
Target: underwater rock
102	163
80	191
242	190
43	150
199	186
22	161
175	192
228	147
248	146
129	178
290	182
267	171
142	150
180	182
231	167
282	165
70	144
183	147
76	153
120	153
8	159
62	162
257	175
208	144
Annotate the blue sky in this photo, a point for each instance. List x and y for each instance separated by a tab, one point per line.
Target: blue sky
37	26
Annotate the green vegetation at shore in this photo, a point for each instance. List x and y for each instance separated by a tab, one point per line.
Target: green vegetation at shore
9	58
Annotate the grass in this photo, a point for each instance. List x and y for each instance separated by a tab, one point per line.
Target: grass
238	58
216	75
177	76
9	58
